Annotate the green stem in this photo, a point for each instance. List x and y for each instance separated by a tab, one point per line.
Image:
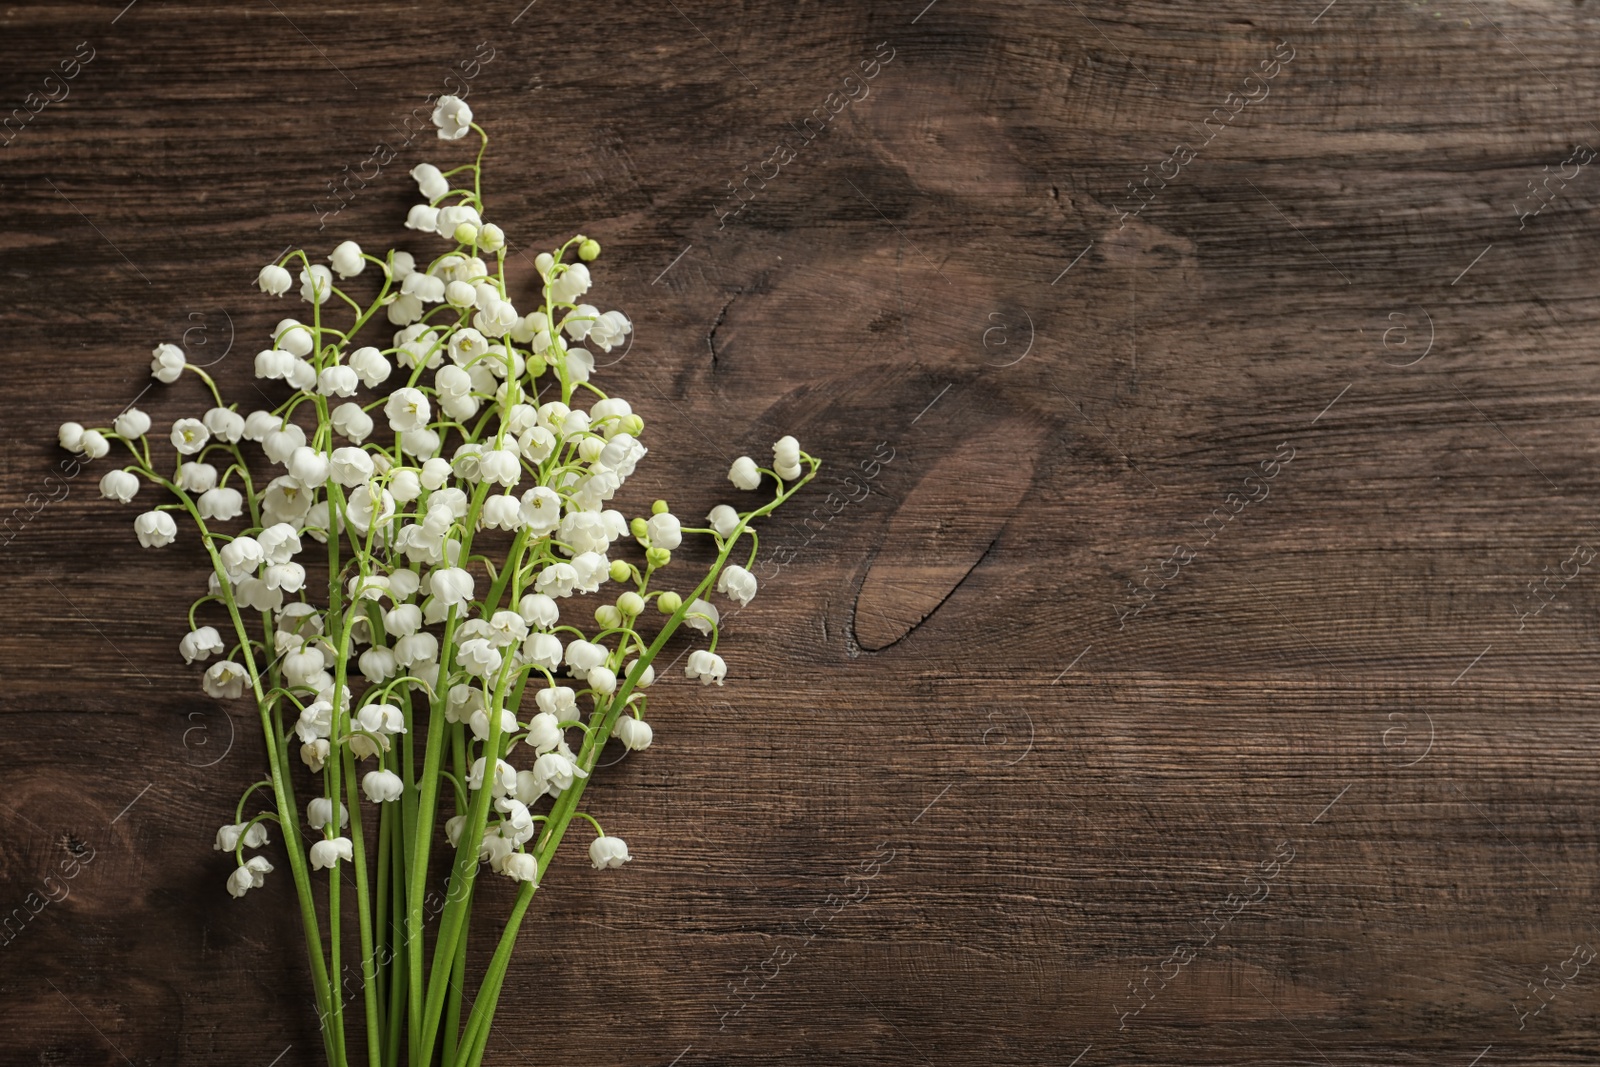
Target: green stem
282	794
369	960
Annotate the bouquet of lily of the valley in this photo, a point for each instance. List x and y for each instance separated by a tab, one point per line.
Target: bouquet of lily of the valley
425	591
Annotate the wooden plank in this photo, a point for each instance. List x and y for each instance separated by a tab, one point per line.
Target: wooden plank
1184	526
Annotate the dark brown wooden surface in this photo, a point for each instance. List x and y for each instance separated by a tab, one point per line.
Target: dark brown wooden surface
936	679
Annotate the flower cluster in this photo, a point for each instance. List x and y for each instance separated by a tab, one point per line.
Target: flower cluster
484	605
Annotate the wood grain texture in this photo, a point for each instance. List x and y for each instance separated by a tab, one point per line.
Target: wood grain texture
944	681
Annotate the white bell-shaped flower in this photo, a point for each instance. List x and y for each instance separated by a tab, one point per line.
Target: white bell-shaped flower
542	649
503	783
316	284
702	615
94	444
664	531
478	722
378	664
200	644
453	117
328	853
279	444
196	477
635	734
501	513
479	658
224	425
314	754
407	409
351	422
370	365
221	504
316	720
189	436
155	529
241	557
500	466
556	580
723	519
520	867
119	485
384	719
592	569
166	363
421	217
224	680
319	813
279	543
609	330
607	852
403	620
252	875
583	656
308	466
556	772
539	611
228	836
416	648
132	424
706	666
274	280
558	700
737	584
338	381
602	680
346	259
744	473
382	787
430	182
544	733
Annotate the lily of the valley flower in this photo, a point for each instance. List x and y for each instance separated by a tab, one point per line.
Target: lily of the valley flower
327	853
200	643
274	280
607	852
635	734
737	584
228	837
225	680
744	473
454	468
252	875
119	485
381	787
706	666
454	119
166	363
155	529
319	813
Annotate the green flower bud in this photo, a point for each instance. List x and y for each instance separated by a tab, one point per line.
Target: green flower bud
589	250
638	528
621	572
466	233
608	616
668	602
657	557
633	425
659	508
630	604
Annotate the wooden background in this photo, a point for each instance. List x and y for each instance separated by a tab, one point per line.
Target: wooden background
940	684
